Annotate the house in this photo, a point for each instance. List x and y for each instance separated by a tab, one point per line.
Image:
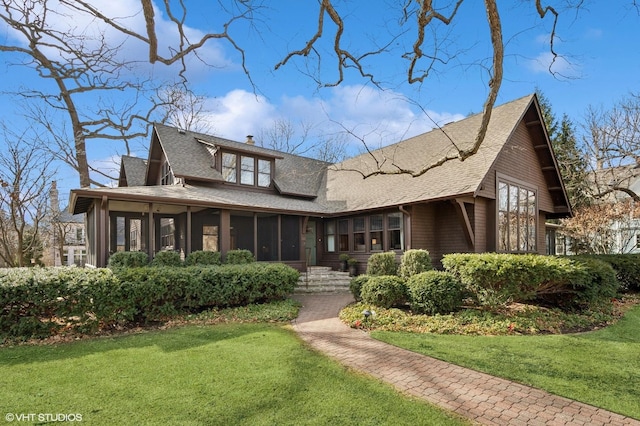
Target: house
66	245
197	191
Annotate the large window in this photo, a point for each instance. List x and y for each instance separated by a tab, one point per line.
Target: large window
376	232
229	167
517	218
167	233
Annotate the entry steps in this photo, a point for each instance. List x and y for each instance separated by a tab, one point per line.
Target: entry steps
322	279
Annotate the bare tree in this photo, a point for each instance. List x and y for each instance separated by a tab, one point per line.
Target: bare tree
184	109
283	136
24	179
604	228
612	143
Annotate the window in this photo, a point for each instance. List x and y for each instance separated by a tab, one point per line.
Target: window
137	241
166	175
376	232
264	173
394	227
330	236
358	234
517	218
80	235
79	257
247	170
229	167
343	235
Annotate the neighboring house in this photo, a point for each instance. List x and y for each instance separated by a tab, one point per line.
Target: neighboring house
197	192
66	245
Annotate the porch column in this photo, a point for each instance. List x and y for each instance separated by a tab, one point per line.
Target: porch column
225	231
102	254
188	239
151	247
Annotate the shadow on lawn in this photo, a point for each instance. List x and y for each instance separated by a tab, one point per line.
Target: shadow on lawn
168	340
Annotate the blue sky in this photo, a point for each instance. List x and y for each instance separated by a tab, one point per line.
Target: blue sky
600	64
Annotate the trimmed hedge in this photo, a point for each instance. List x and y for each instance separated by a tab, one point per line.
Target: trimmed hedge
434	292
203	257
167	258
355	286
414	262
384	291
626	266
496	279
38	302
382	264
128	259
239	257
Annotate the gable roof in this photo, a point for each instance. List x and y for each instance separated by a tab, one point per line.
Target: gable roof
190	156
451	179
132	171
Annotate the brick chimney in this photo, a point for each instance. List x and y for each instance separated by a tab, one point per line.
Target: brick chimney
53	197
250	140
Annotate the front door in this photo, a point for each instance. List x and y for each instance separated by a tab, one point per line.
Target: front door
310	243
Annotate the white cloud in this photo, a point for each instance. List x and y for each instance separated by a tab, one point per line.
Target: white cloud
381	117
545	63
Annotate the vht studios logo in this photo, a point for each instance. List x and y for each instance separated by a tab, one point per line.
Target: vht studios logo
43	417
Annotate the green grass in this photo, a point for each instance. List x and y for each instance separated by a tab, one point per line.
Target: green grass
223	374
600	368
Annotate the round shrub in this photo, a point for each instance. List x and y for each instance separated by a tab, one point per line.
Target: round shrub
355	286
382	264
434	292
167	258
384	291
203	257
414	262
239	257
128	259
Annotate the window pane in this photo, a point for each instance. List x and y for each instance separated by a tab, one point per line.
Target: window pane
247	170
376	222
229	167
513	218
358	224
330	236
358	241
264	173
376	241
343	231
396	237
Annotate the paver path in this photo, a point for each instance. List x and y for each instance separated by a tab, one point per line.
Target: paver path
477	396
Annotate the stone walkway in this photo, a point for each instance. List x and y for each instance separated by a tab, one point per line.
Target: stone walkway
477	396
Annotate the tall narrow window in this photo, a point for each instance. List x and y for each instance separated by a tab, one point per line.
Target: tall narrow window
229	167
358	234
264	173
517	218
247	170
166	177
343	235
330	236
394	226
376	228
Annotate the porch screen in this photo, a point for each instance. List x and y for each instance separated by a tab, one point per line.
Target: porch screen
267	237
290	227
242	232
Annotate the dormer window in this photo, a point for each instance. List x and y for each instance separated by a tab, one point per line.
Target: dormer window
229	167
246	169
264	173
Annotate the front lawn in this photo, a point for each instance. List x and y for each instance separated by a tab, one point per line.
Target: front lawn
226	374
599	367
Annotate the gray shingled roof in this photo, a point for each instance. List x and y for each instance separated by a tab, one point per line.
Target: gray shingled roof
336	188
450	179
190	158
134	170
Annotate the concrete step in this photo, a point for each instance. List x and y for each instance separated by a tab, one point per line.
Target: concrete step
322	279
